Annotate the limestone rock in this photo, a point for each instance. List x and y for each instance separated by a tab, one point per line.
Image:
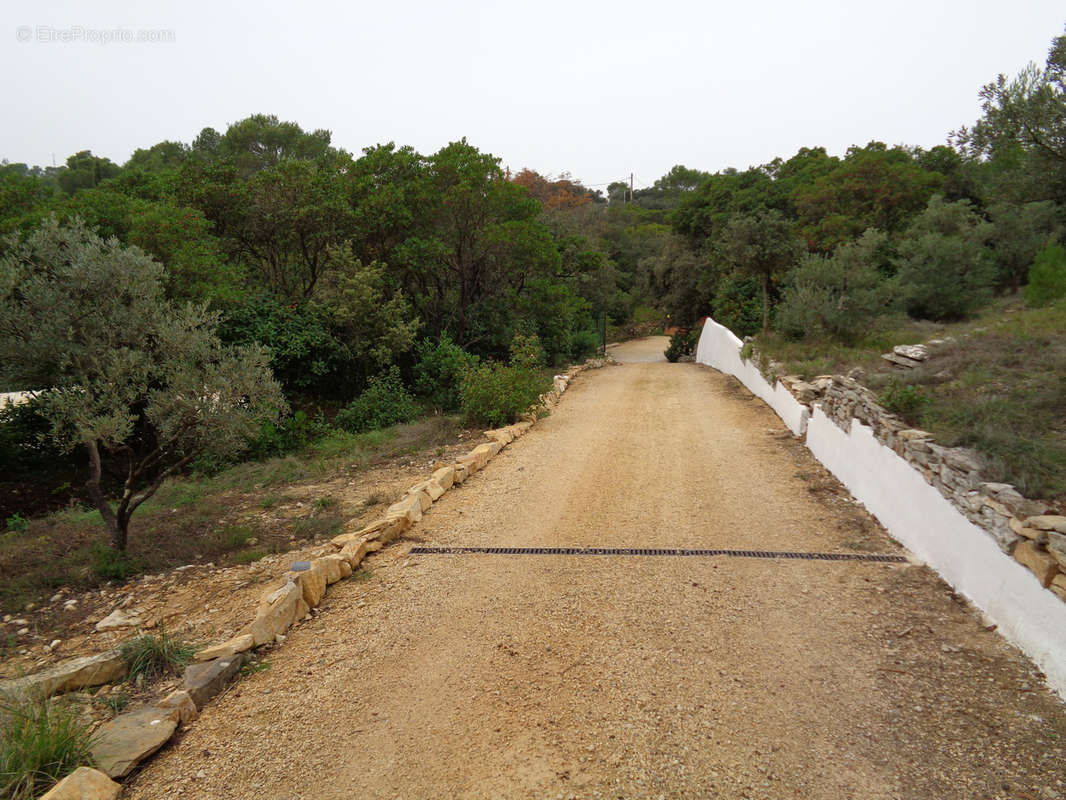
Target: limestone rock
330	567
520	428
74	673
501	435
312	583
915	352
901	361
433	489
121	744
1058	585
461	473
204	681
118	619
354	552
1021	529
484	453
180	706
277	613
84	783
444	477
1056	545
1047	522
238	644
1040	562
373	527
410	507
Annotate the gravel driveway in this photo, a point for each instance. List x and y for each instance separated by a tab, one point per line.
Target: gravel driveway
521	676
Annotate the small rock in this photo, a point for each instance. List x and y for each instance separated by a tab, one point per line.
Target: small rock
118	619
128	739
204	681
84	783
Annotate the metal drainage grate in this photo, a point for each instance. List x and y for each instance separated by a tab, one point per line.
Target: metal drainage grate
643	551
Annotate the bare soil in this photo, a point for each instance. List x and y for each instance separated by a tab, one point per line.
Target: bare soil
484	676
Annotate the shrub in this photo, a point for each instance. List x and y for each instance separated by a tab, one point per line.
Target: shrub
526	351
111	564
737	305
385	402
583	344
17	522
495	394
40	743
439	371
293	433
1047	276
151	656
682	343
905	399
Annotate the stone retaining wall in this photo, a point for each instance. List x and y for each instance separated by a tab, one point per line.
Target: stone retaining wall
974	533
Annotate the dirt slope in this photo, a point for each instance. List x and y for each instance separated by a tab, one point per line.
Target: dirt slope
483	676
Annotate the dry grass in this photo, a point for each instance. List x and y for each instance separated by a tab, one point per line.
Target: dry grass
198	518
1001	389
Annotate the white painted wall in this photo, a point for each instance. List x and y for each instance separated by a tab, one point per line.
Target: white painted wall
720	348
915	514
14	398
966	557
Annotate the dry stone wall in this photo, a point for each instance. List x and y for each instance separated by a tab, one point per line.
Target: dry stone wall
130	738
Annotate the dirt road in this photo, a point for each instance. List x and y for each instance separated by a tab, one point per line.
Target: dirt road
494	676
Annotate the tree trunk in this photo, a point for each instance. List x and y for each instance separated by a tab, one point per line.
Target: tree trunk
116	528
765	303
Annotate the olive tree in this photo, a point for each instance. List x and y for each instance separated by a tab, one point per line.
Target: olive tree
142	385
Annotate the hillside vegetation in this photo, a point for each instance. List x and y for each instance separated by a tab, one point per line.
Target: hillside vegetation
251	292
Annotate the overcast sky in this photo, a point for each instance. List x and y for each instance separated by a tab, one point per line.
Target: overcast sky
596	88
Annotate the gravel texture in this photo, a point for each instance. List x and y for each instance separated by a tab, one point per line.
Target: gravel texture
484	676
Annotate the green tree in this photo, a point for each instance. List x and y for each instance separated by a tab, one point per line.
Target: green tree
760	244
262	141
945	270
1047	276
85	171
838	295
1018	233
119	370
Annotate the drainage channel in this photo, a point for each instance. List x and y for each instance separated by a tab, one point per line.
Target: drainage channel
643	551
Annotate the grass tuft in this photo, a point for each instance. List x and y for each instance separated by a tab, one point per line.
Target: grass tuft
151	656
41	742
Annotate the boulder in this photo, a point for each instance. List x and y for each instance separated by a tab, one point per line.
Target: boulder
494	447
84	783
901	361
276	614
484	453
354	552
238	644
118	619
502	435
1058	585
1040	562
444	477
1047	522
915	352
1056	545
180	706
128	739
409	507
204	681
74	673
312	583
431	488
330	567
1023	530
373	527
461	472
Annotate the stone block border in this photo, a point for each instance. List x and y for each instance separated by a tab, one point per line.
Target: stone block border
130	738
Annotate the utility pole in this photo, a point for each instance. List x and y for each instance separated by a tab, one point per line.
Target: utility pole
630	187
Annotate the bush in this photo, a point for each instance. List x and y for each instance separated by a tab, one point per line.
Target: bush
152	656
737	304
385	402
905	399
40	743
113	565
293	433
584	344
495	394
439	371
682	343
1047	276
526	351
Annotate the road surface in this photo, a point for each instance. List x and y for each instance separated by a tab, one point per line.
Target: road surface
496	676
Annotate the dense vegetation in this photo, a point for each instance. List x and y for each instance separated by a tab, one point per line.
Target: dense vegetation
248	292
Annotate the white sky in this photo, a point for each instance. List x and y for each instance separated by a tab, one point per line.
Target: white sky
594	87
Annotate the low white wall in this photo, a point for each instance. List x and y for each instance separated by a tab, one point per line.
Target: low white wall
14	398
720	348
963	554
914	513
